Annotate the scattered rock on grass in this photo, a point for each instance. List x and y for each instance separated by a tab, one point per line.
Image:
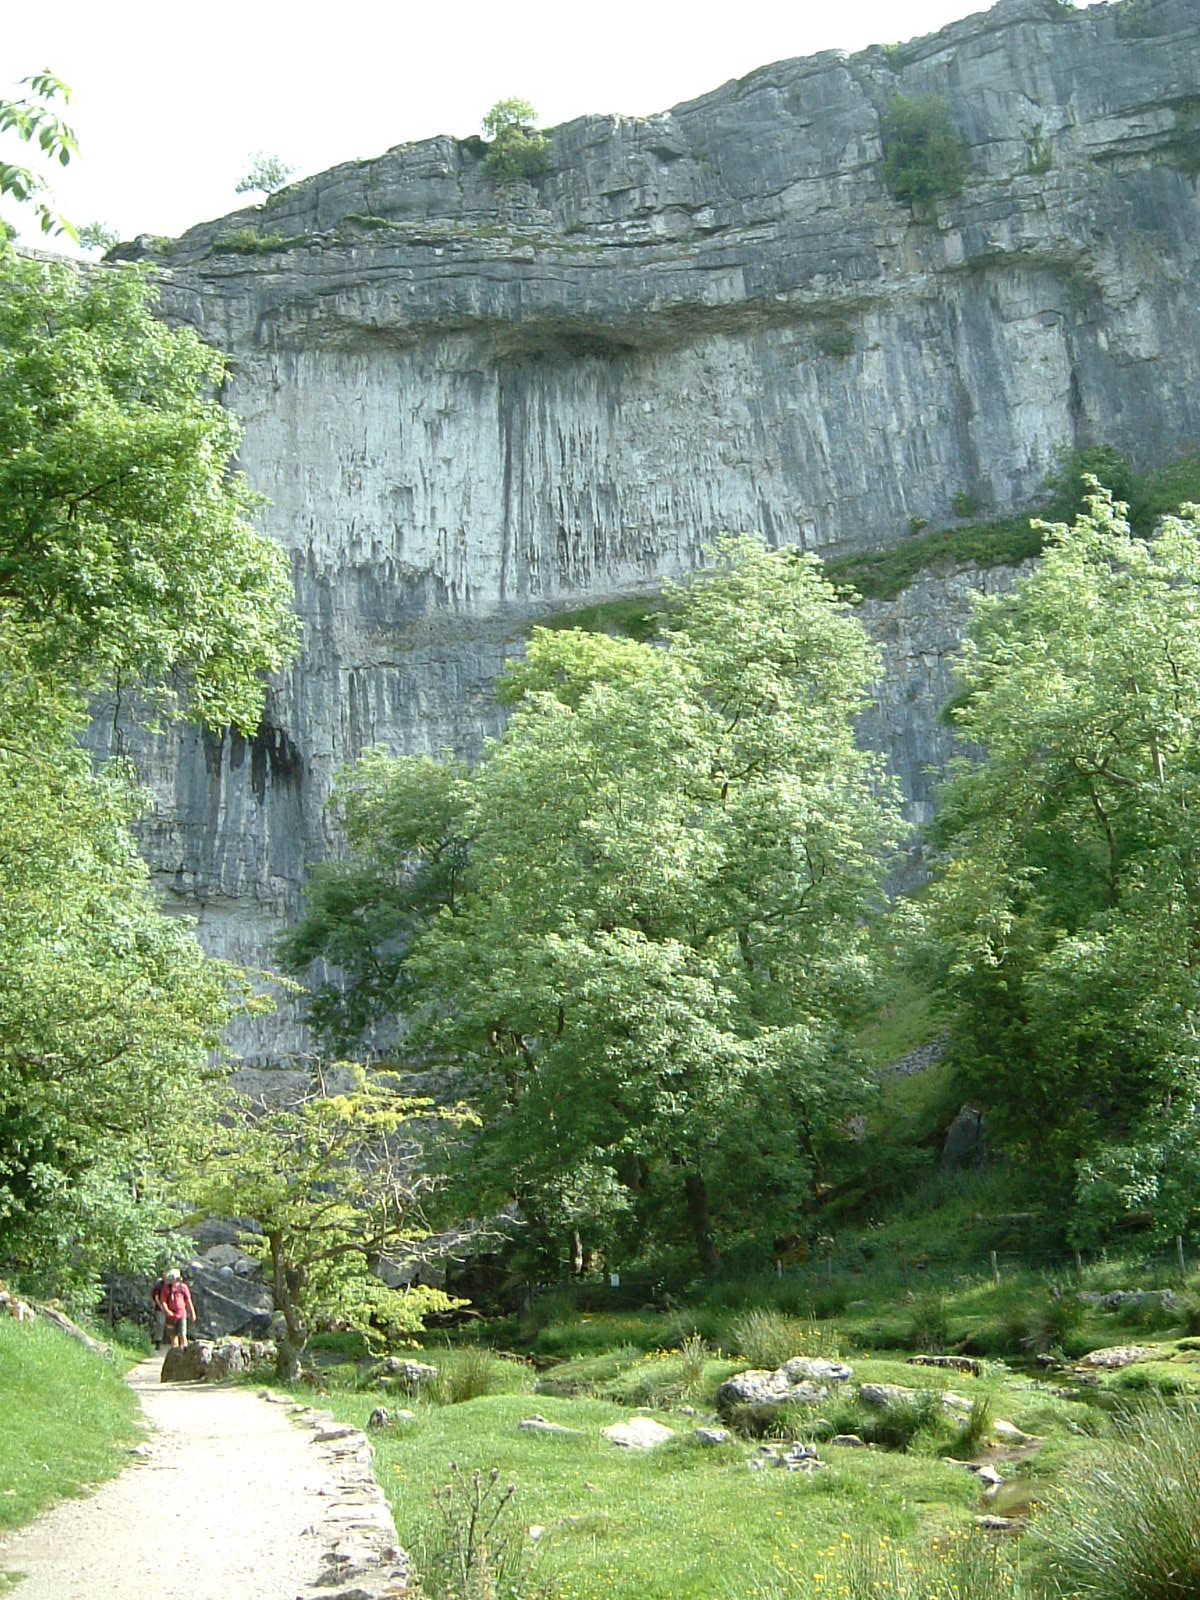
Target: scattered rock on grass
1116	1356
639	1433
538	1424
953	1363
1133	1299
803	1380
849	1441
796	1458
1010	1433
712	1436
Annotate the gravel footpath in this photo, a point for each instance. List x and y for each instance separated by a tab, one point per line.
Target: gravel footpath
228	1497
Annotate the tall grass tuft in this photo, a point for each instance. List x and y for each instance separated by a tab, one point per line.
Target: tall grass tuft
768	1338
976	1427
474	1547
1127	1529
693	1353
930	1329
467	1373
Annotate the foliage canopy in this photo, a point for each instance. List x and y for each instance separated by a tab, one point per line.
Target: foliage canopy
637	929
126	561
267	175
923	156
1066	919
517	148
334	1184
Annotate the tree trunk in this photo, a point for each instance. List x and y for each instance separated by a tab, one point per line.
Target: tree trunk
286	1282
696	1191
287	1361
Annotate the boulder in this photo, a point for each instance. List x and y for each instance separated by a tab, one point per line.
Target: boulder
206	1361
639	1433
803	1380
883	1396
189	1365
1010	1433
849	1441
1115	1356
952	1363
965	1144
405	1374
228	1305
712	1436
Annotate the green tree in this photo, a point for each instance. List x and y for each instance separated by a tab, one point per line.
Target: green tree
923	156
267	175
126	561
1067	916
661	927
517	148
335	1184
98	236
126	549
33	120
109	1010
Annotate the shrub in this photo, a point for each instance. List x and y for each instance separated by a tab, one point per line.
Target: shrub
898	1426
517	148
1066	482
930	1329
924	158
1126	1530
1050	1323
132	1336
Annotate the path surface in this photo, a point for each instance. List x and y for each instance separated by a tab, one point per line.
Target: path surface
228	1498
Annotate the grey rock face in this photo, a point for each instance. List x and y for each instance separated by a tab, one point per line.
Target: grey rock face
474	406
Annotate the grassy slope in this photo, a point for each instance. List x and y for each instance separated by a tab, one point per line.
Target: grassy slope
68	1419
692	1523
682	1523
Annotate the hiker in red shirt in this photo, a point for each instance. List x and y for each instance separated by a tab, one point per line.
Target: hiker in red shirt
177	1303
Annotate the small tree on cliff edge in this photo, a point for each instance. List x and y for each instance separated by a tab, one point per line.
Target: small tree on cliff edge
334	1184
517	147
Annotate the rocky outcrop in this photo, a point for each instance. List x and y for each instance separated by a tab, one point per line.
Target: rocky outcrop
472	406
801	1381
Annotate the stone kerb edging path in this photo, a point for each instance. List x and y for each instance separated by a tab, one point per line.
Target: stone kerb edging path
231	1494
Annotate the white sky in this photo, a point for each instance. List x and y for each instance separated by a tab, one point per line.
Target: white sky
172	100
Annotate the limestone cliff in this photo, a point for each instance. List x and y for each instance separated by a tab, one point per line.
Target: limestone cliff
471	405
